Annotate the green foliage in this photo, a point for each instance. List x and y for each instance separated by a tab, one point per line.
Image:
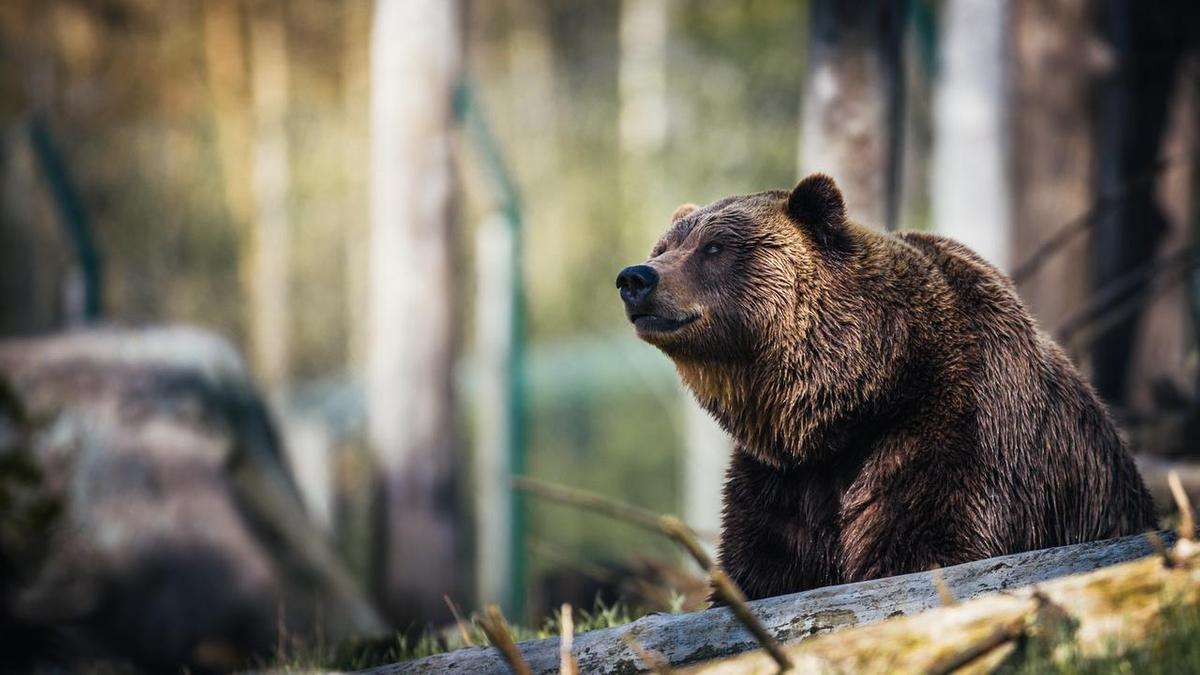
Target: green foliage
600	616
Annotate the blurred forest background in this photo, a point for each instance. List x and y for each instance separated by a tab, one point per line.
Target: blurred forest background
407	215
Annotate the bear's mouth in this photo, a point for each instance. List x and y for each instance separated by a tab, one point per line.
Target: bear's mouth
652	323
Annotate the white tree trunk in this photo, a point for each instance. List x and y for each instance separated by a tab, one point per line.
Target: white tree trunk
416	58
970	185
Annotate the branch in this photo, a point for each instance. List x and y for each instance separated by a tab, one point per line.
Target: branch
496	628
677	530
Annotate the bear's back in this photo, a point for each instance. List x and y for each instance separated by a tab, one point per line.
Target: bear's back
1060	469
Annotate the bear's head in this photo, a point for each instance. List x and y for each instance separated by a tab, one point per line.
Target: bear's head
728	276
758	301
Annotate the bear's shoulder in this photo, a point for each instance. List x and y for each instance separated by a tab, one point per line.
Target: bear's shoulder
966	272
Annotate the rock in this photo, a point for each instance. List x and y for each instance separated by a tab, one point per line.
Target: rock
176	535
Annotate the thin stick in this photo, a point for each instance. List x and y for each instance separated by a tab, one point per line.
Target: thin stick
1130	286
566	663
677	530
994	640
945	595
1187	521
496	628
458	619
1082	222
590	501
731	594
680	532
635	515
1160	548
653	662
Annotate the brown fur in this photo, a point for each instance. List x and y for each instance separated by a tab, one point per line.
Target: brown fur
895	406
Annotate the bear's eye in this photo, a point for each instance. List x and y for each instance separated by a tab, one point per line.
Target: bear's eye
712	248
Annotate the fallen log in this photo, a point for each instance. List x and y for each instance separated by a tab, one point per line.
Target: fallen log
1102	612
682	639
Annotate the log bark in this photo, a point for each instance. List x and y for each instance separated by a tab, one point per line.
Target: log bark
1103	611
690	638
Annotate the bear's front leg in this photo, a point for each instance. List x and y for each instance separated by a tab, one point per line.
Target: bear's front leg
778	528
911	516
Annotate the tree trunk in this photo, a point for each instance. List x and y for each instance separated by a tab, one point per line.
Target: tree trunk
416	60
1163	368
1054	61
356	87
225	69
270	240
1135	113
851	125
970	186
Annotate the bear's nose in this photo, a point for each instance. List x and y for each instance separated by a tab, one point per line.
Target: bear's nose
636	282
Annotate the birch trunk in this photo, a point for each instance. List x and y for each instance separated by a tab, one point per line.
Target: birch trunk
970	186
416	59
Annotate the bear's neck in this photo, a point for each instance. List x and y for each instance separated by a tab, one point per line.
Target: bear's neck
791	409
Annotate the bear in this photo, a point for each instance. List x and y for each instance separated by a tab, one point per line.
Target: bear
894	406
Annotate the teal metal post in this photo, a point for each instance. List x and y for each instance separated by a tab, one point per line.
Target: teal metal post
71	212
470	114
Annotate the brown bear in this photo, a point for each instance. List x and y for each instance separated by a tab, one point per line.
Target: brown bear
895	406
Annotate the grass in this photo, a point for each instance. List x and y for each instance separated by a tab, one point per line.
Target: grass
295	655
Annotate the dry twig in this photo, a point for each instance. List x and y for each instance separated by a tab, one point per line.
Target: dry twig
566	663
463	631
943	589
496	628
1081	223
1160	548
677	530
731	594
994	640
653	662
1187	521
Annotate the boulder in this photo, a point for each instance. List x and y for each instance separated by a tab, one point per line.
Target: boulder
147	512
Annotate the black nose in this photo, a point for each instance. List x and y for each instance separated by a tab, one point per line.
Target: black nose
636	282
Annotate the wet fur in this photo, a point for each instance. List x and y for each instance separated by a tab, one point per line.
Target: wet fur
895	406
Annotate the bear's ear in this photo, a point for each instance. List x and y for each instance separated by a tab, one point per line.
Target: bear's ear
816	205
683	211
